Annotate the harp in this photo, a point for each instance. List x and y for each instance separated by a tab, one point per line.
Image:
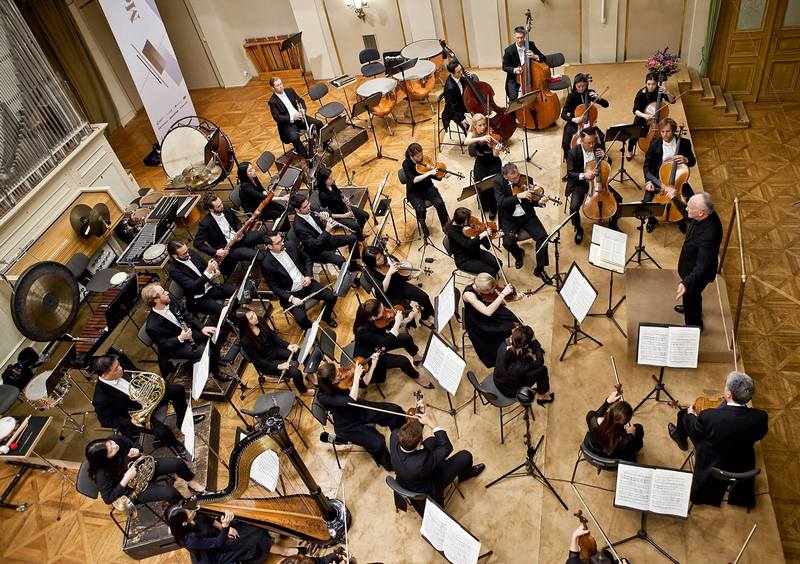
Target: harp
310	517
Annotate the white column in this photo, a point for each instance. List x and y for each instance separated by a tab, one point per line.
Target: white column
318	44
418	19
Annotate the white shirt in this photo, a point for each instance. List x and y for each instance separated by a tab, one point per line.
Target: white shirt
188	262
310	220
285	99
291	269
224	226
669	149
120	384
521	51
518	211
587	157
460	87
167	314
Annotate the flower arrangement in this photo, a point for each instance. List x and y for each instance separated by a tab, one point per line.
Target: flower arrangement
663	63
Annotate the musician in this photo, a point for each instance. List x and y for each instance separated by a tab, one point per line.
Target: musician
288	110
578	181
252	193
454	86
287	271
698	261
517	213
336	557
516	55
315	231
644	97
108	467
486	151
216	541
487	320
520	363
268	352
723	438
604	556
663	150
419	188
177	333
196	277
220	227
466	251
370	338
426	466
574	99
338	205
113	405
385	273
354	424
611	433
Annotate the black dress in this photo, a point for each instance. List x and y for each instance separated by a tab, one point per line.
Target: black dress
251	193
487	333
486	164
267	351
369	338
628	445
526	371
468	254
402	292
332	200
209	545
574	99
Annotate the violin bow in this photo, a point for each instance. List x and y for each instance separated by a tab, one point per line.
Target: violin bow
377	286
746	542
483	215
599	528
616	376
303	300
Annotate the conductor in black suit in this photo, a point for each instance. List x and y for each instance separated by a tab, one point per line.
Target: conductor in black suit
454	86
287	109
426	466
514	58
195	276
723	438
219	227
698	261
315	234
287	271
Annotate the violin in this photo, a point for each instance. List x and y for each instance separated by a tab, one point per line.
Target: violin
586	543
345	374
535	77
497	140
387	318
403	268
701	403
672	174
428	165
419	405
527	184
512	297
475	227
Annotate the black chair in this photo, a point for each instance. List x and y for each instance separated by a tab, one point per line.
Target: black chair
284	400
489	394
730	479
8	396
404	497
370	62
329	110
442	127
401	176
290	180
553	61
600	462
464	274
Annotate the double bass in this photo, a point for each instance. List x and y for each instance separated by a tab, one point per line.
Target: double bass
535	77
479	99
599	204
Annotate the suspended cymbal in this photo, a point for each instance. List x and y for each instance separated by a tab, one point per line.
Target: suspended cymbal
99	219
79	220
45	301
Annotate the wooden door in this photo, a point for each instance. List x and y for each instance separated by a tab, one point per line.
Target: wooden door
781	76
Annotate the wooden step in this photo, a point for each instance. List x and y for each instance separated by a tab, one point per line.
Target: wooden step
694	78
708	93
730	104
719	97
742	117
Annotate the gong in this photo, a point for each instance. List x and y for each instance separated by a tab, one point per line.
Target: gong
45	301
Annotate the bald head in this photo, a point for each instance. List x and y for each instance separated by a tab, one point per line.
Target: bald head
700	206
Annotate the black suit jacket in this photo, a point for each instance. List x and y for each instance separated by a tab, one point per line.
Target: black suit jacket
655	154
511	59
276	276
507	200
415	469
165	333
454	108
209	238
313	242
575	165
187	279
698	261
112	406
281	115
724	438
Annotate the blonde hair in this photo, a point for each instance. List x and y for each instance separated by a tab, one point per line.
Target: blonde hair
150	294
475	119
485	282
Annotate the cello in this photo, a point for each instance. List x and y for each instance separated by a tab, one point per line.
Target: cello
535	77
671	174
479	99
599	204
587	112
657	112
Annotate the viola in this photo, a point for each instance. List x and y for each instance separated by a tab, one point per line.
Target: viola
419	405
475	227
586	543
672	174
428	165
599	204
345	374
527	184
387	318
535	77
512	297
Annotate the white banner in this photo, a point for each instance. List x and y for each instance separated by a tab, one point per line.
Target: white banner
145	46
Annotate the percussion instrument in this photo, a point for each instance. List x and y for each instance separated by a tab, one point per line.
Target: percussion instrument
47	390
79	220
154	254
419	79
99	219
7	425
45	301
119	278
425	49
184	145
387	88
150	199
140	216
196	177
151	233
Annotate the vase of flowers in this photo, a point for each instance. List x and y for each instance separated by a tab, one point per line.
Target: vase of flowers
663	63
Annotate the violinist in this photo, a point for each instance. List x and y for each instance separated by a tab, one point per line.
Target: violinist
487	320
252	193
662	150
516	205
580	93
486	150
611	433
465	246
644	97
520	363
386	272
604	556
338	206
454	109
578	180
516	55
376	327
420	188
340	387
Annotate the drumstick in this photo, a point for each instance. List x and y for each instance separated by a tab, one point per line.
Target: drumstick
11	441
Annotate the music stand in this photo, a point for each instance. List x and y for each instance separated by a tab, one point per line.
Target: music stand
474	188
447	367
328	133
554	237
344	281
578	295
641	211
525	102
401	68
624	133
465	548
613	242
366	105
288	43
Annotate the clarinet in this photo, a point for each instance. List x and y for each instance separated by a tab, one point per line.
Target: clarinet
327	217
185	327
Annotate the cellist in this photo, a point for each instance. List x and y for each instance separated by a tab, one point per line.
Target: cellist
514	57
454	109
577	97
578	180
645	97
661	151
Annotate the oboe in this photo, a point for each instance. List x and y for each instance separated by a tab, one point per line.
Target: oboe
185	327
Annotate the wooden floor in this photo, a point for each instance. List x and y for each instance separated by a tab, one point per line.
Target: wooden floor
756	164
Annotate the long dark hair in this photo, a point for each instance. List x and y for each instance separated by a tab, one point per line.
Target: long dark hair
244	327
612	429
521	339
323	174
325	375
243	178
413	149
369	308
176	517
370	255
97	456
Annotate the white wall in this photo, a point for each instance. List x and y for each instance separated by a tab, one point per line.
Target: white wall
483	33
318	45
694	31
418	19
600	40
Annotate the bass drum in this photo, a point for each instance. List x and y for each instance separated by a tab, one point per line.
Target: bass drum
189	141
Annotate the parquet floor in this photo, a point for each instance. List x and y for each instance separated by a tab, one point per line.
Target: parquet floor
756	164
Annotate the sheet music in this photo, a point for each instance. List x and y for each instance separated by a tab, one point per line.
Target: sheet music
200	372
446	535
265	470
608	248
670	492
633	487
446	304
578	294
444	364
308	342
187	428
434	526
653	345
684	346
222	316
